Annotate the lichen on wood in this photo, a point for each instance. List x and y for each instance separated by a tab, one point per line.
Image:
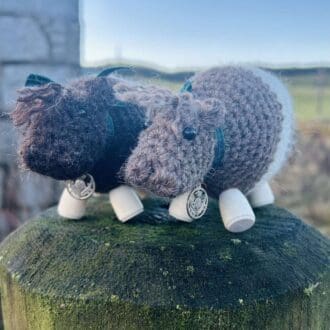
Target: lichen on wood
157	273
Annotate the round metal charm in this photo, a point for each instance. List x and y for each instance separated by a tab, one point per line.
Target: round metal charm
81	188
197	203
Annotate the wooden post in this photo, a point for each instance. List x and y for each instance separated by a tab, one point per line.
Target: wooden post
156	273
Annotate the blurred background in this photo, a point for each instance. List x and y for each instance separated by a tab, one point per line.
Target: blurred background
165	43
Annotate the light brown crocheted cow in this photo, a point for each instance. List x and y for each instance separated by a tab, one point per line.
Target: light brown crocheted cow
231	129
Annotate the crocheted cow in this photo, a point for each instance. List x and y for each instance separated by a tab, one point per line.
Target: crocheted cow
80	133
230	129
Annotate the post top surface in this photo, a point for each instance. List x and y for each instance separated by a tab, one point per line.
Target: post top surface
156	260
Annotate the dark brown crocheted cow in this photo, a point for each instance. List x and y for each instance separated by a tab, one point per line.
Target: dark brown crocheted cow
80	133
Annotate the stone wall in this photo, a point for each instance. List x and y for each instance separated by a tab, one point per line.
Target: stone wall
40	36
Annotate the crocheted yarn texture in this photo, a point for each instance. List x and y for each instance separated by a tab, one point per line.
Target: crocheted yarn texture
251	130
246	110
76	129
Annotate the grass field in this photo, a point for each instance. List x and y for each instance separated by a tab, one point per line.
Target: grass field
311	97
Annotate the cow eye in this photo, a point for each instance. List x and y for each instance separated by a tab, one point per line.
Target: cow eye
189	133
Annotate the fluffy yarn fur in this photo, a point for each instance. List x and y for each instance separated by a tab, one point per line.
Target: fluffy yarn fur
80	128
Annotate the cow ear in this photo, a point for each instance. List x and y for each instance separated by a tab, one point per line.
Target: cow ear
106	72
34	80
154	99
212	113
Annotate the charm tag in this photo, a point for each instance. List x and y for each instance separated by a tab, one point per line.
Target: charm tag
197	203
81	188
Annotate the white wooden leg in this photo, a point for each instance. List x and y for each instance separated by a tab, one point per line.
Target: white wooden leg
178	208
261	195
71	208
125	202
236	212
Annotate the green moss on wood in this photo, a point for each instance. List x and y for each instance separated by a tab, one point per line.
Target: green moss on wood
154	272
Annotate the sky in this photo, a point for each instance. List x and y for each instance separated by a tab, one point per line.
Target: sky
199	33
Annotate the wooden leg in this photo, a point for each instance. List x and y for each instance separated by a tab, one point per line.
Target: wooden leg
71	208
178	208
261	195
125	203
236	212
